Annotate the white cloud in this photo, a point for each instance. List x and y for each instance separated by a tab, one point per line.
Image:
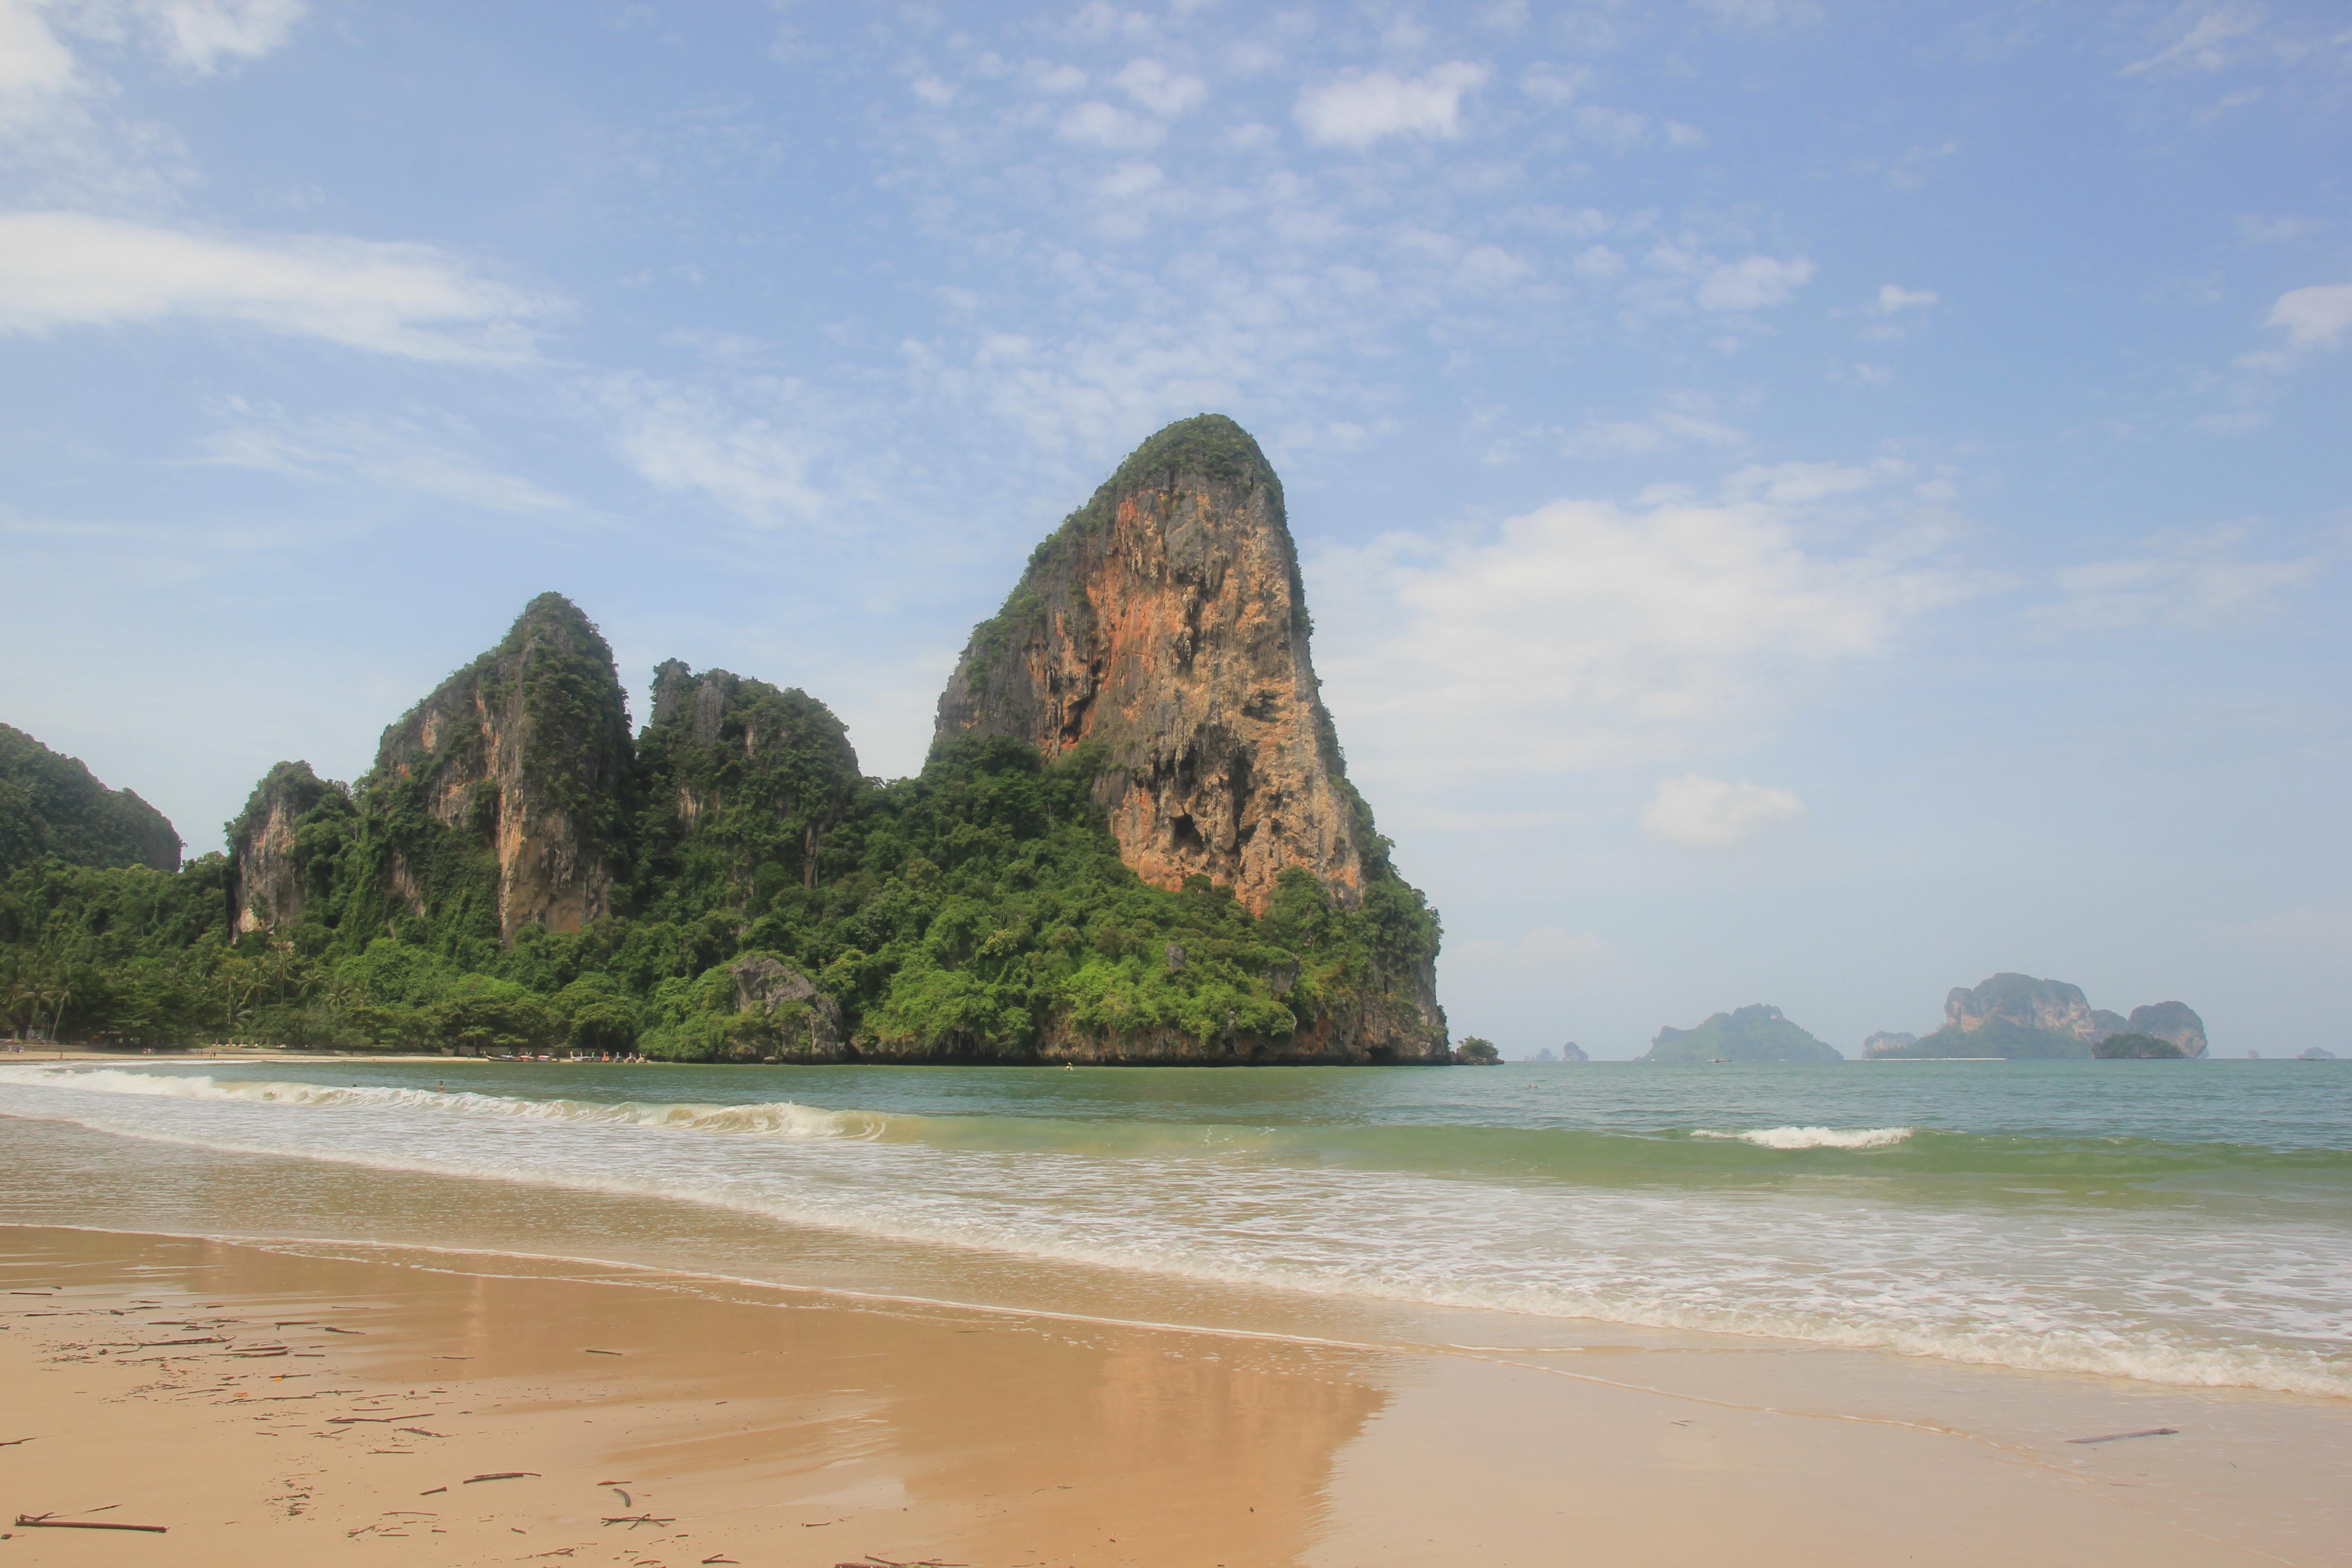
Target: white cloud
1106	125
61	269
1158	89
2314	317
2205	46
2178	579
1358	110
1585	633
404	455
34	66
1894	299
1700	813
1684	419
198	34
683	440
1758	283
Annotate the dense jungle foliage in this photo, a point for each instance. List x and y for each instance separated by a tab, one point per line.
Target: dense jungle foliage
960	913
49	804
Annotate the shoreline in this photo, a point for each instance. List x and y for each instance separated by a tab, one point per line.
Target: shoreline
749	1418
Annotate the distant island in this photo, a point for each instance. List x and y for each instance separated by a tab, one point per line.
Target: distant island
2023	1018
1134	840
1570	1052
1752	1034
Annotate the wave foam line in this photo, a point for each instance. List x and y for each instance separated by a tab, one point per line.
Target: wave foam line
2069	1349
1815	1137
782	1118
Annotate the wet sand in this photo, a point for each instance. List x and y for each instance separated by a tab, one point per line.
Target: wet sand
288	1403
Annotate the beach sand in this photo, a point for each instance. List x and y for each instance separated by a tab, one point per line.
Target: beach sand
300	1403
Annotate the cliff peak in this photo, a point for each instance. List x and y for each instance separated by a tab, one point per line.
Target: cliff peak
1165	622
527	752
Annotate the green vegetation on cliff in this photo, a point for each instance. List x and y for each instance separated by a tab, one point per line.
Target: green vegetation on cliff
2138	1048
978	911
1752	1034
50	805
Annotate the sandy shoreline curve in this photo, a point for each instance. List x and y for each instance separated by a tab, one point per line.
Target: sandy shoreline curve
283	1403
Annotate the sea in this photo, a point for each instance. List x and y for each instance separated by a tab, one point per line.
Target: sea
2177	1223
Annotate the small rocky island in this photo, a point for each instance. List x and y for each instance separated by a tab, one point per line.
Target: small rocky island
1758	1033
2023	1018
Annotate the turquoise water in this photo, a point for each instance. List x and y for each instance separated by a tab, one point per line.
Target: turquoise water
2178	1222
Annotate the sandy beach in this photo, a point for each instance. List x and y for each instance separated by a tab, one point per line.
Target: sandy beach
301	1402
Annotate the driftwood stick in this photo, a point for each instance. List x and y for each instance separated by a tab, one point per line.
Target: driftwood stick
499	1476
2119	1436
44	1521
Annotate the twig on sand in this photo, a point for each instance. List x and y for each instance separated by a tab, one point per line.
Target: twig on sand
634	1520
499	1476
602	1352
14	1441
2119	1436
48	1521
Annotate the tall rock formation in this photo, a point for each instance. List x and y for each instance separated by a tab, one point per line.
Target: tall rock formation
51	805
1166	621
269	885
2174	1021
742	782
1164	627
525	753
2022	1001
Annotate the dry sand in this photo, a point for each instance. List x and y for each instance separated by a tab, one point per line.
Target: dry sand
279	1404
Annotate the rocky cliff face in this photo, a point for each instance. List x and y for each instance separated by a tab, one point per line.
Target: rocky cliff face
1164	628
2047	1006
1166	622
527	749
2018	1016
1887	1043
2174	1021
268	887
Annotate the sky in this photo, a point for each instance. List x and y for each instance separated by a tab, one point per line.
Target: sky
1802	502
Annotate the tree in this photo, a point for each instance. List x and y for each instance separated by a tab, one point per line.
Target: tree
1478	1052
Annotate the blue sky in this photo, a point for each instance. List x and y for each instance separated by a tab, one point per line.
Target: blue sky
1806	503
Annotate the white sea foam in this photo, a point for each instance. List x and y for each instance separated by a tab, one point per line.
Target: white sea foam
1816	1137
781	1118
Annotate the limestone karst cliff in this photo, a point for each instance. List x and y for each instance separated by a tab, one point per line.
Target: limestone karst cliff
1163	631
526	753
271	864
2018	1015
740	780
1166	622
519	872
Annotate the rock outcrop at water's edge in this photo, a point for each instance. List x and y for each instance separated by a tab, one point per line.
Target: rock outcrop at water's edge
520	873
1162	630
2021	1017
